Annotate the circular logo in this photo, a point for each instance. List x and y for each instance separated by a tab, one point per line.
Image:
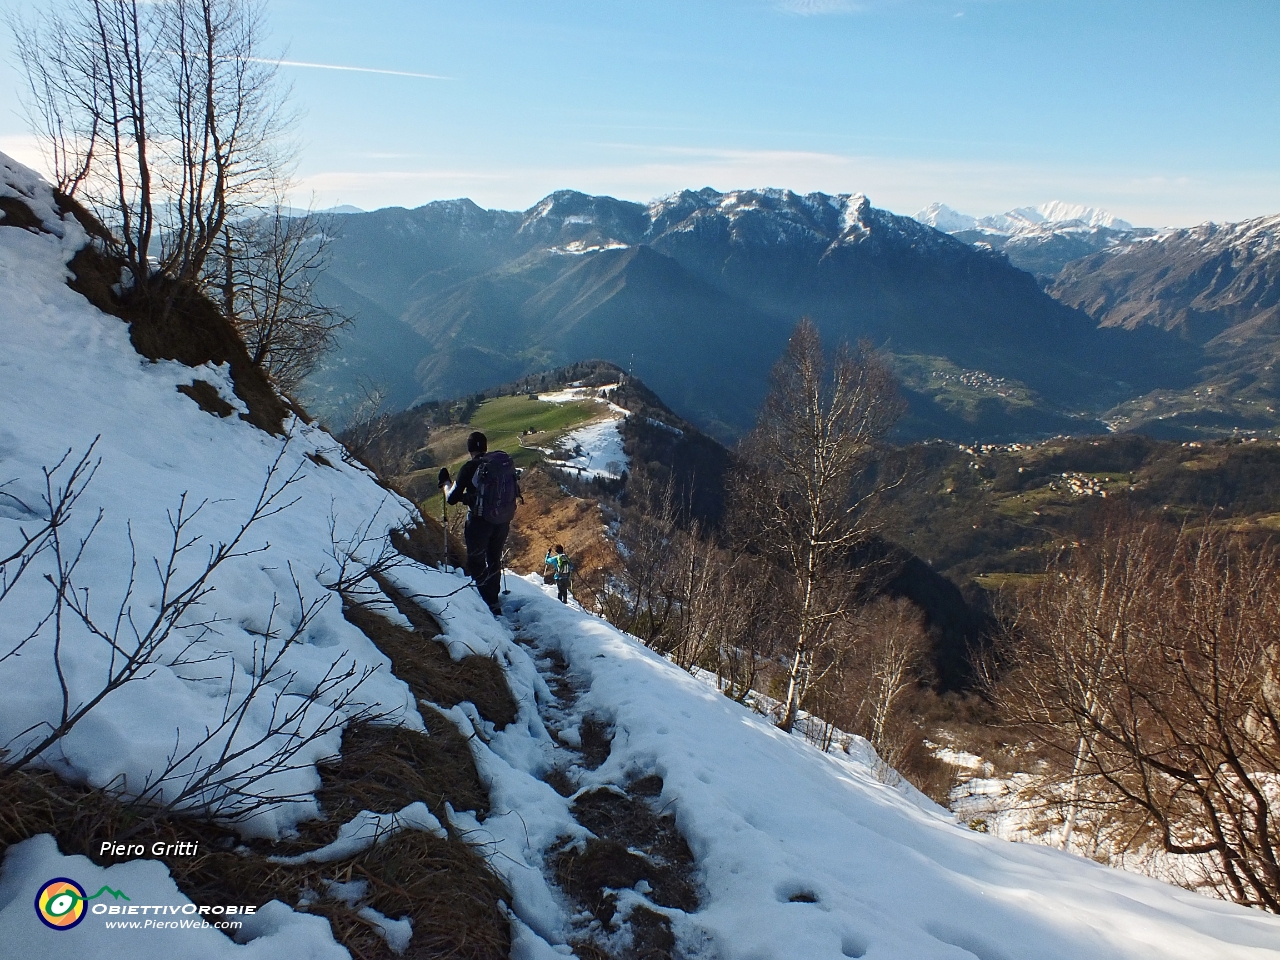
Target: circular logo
60	903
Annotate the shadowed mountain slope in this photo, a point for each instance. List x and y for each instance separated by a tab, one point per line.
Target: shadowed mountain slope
697	292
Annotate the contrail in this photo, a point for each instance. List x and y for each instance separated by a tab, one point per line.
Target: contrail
334	66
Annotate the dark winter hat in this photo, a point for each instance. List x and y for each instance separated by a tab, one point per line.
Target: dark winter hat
477	443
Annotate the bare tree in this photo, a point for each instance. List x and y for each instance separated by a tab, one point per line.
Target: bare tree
1146	666
362	438
264	272
686	596
804	499
889	654
164	115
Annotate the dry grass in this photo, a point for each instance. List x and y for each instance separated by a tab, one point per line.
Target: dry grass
442	885
386	768
550	516
633	825
596	737
424	542
173	321
632	842
18	214
205	394
424	664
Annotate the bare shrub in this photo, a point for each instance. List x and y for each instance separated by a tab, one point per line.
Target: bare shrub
1145	666
688	598
233	767
265	268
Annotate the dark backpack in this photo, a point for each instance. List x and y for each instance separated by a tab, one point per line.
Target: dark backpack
496	489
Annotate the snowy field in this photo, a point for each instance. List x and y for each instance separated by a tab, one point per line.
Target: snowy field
592	451
798	854
596	449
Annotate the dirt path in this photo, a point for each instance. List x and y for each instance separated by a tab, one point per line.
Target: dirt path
636	872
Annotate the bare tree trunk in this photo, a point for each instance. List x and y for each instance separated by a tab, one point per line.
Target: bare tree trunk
816	436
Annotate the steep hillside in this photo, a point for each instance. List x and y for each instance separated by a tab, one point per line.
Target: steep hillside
993	512
695	293
1199	283
200	636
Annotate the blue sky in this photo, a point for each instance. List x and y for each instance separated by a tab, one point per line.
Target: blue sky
1166	112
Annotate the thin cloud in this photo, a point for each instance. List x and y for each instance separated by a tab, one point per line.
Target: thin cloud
334	66
811	8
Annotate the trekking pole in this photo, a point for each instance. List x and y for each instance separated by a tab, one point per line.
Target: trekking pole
444	523
505	591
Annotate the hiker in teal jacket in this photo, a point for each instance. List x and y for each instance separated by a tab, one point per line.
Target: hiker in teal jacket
560	567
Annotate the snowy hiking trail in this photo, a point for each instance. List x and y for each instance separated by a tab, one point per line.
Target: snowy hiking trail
796	853
637	863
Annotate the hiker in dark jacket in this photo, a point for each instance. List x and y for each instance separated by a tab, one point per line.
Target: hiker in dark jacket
487	524
561	570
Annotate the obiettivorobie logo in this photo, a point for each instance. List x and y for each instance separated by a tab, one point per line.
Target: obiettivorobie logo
60	904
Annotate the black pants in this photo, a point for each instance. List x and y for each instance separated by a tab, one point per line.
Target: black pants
484	556
562	586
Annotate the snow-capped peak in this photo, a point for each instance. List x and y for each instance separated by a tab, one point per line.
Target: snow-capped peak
1047	217
941	217
1056	211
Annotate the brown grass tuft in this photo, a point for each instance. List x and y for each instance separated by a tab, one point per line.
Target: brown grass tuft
175	321
425	665
424	542
442	885
92	225
597	742
205	394
18	214
169	320
633	825
386	768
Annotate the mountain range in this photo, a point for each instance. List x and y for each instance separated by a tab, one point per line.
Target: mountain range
1041	240
386	769
697	293
1215	288
1045	320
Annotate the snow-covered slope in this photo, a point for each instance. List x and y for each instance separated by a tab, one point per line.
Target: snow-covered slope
594	449
246	681
793	853
71	382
